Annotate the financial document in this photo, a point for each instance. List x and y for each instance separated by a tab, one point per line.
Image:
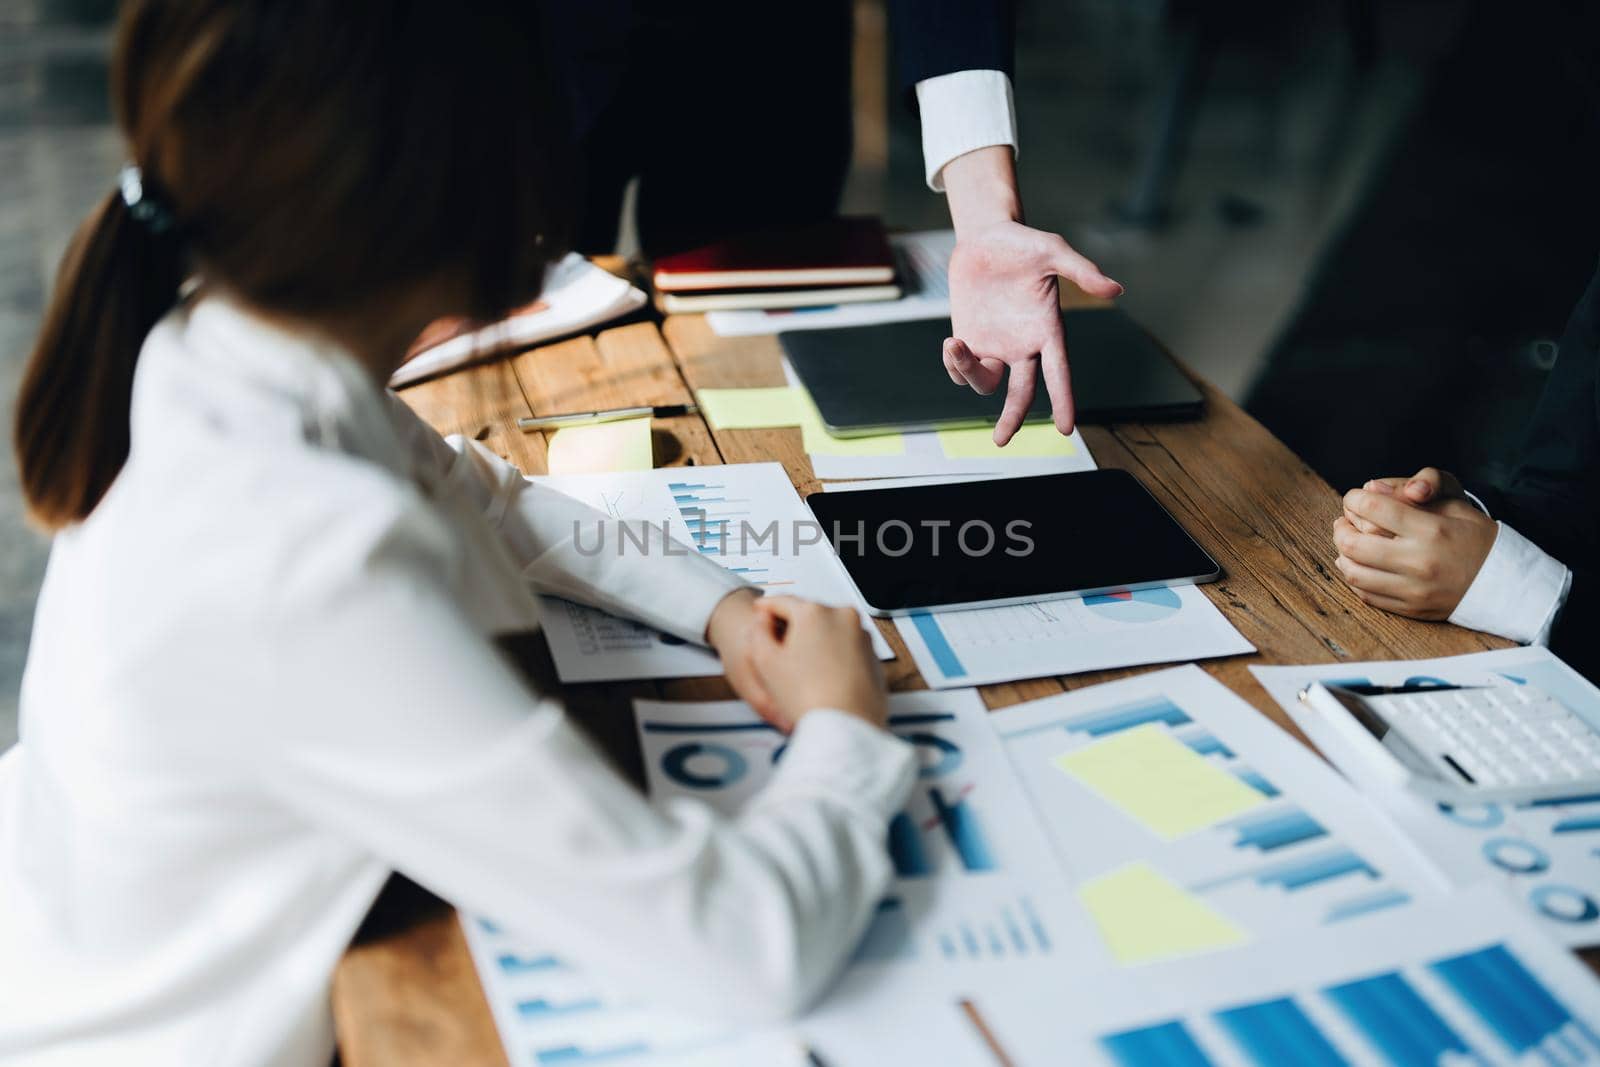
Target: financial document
1176	807
747	517
1546	853
551	1013
976	882
1054	637
1466	981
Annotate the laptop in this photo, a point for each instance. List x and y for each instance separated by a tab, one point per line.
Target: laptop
890	377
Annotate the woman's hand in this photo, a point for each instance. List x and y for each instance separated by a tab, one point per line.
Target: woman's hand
802	656
735	622
1412	545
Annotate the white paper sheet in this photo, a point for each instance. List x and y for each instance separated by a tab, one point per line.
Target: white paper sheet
695	502
977	884
1546	854
1054	637
1467	980
923	261
577	296
549	1012
979	905
1311	853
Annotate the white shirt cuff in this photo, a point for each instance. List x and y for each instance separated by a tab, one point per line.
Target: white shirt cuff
961	113
1517	593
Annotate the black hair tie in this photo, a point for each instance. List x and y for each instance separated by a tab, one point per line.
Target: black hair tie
144	203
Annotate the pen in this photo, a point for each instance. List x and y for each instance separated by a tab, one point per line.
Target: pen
587	418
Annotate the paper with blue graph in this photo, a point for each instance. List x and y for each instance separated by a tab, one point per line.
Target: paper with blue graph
550	1013
1547	853
747	517
1466	981
1055	637
976	883
1246	829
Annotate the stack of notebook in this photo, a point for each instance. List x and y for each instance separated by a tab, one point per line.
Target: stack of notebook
843	261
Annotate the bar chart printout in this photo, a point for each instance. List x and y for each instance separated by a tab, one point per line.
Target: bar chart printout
1467	981
746	518
550	1014
1173	771
975	877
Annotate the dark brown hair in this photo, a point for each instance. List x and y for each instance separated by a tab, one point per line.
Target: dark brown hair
316	158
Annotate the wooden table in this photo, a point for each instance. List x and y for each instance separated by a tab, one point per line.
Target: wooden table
411	998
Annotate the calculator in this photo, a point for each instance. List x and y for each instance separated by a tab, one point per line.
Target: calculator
1466	744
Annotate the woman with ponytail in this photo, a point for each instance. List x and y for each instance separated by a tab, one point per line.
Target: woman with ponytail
263	674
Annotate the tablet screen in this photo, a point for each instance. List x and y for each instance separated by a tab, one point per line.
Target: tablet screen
1007	539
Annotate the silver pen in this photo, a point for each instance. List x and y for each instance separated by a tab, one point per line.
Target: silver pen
589	418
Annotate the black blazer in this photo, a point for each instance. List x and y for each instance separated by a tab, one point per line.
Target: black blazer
592	44
934	37
1554	497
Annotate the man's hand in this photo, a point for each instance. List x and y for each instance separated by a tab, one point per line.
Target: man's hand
1004	300
1412	545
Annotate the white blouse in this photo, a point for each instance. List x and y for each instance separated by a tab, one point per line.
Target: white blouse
261	679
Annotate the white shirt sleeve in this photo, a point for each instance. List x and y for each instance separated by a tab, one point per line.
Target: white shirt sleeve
1518	592
963	112
673	590
393	724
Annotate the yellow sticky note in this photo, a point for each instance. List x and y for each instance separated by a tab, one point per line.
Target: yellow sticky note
818	442
602	448
1034	441
1143	916
1160	781
752	409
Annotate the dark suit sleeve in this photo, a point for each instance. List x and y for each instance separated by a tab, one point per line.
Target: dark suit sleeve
1554	497
934	37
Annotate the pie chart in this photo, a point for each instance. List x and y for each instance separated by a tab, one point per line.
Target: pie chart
1137	606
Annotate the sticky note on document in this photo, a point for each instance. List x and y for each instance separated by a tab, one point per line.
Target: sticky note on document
1035	440
1159	781
603	448
1143	915
752	409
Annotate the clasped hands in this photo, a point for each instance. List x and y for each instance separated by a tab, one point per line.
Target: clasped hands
1412	545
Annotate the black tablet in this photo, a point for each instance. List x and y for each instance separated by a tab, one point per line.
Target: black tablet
1007	541
888	376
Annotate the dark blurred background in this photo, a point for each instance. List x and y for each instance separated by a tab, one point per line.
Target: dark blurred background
1364	219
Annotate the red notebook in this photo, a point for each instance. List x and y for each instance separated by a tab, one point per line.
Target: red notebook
849	251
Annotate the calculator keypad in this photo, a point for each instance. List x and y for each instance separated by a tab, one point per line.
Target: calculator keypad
1501	735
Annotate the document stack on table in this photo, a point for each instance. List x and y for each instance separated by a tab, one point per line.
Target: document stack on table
843	261
1140	873
922	263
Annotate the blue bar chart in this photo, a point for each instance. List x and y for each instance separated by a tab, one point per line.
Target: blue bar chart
552	1014
1278	1031
1390	1013
1520	1011
1167	1044
1485	1007
1299	854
